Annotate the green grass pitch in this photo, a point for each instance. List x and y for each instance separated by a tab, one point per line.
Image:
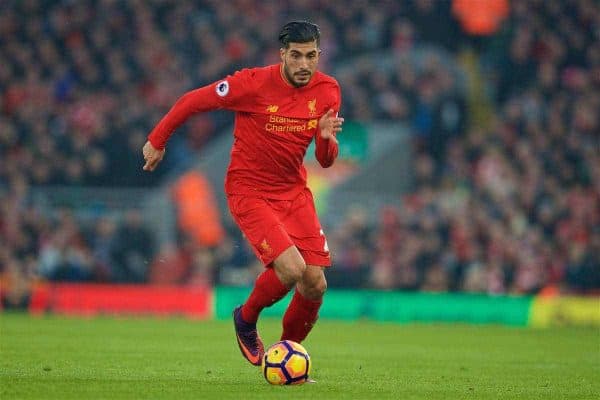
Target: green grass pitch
116	358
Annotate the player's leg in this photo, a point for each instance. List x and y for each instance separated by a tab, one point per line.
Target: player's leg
304	228
259	221
270	287
302	312
274	283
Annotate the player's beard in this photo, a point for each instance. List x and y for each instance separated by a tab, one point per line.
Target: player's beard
290	77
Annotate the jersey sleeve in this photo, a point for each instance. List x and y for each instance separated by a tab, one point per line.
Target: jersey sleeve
326	151
232	93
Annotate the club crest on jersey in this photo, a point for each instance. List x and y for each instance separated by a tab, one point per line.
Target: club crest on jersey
265	248
222	88
272	108
312	107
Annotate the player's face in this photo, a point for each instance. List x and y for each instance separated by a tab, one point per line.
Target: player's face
300	62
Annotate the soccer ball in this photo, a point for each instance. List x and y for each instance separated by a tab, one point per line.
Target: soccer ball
286	363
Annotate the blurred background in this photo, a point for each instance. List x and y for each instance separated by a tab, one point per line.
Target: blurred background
469	162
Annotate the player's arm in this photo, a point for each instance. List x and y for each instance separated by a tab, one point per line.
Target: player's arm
228	93
326	144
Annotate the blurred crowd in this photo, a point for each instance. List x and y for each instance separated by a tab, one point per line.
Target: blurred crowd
80	79
512	207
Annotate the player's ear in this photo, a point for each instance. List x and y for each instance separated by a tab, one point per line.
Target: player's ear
282	53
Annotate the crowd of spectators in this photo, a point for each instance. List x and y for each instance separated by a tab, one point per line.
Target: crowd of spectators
512	207
81	79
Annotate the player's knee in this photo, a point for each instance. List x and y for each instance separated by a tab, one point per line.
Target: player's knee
291	271
296	270
315	290
319	289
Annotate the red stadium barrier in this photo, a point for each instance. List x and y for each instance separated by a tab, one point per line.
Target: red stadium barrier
94	299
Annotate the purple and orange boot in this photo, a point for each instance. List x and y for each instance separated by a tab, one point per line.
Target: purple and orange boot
247	337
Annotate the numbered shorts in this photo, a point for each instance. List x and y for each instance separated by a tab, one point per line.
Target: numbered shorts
272	226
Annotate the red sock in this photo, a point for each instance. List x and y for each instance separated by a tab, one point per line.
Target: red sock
300	317
267	291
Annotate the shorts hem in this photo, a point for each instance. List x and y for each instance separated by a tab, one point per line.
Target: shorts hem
317	260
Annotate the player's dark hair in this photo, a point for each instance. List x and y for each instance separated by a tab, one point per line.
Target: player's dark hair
299	32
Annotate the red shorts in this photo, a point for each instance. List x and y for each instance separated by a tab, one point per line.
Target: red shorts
272	226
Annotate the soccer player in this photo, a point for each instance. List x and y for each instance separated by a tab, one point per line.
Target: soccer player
279	110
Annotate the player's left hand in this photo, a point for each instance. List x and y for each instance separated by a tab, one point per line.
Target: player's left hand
152	156
330	124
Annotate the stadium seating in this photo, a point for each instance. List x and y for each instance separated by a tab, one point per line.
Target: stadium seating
505	194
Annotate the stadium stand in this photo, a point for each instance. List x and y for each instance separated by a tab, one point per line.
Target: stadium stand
505	192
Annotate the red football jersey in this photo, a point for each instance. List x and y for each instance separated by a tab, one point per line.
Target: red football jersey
274	124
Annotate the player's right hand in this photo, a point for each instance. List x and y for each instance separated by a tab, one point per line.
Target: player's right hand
152	156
